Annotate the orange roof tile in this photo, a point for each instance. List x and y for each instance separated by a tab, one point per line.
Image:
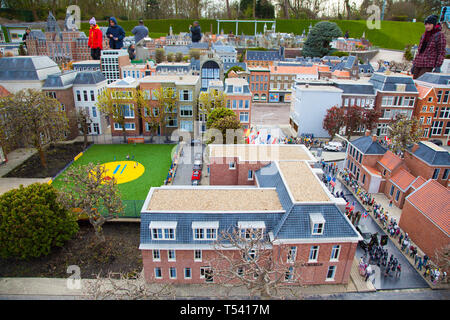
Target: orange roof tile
324	68
341	73
294	69
423	91
420	181
4	92
402	179
390	160
433	201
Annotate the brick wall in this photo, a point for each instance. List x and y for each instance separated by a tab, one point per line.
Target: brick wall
221	174
422	231
311	273
66	97
420	168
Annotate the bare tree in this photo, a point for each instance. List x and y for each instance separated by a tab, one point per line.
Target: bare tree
247	259
88	189
443	258
84	121
119	286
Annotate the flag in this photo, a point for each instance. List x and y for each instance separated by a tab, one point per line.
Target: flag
275	140
352	207
334	179
268	138
328	178
365	214
333	183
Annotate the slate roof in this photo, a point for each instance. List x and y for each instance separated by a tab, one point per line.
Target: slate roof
223	48
350	62
199	45
435	78
184	234
355	87
89	77
432	156
263	55
383	82
433	200
366	68
27	68
60	80
367	146
38	34
297	224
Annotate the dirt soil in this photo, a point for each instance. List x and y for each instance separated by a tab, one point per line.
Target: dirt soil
119	253
58	156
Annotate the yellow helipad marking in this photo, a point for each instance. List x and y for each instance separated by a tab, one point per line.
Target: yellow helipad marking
123	171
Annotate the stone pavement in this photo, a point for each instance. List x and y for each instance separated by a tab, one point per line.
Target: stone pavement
15	158
359	280
393	211
7	184
59	287
394	240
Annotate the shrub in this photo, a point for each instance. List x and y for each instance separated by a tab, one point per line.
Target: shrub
170	57
32	222
340	54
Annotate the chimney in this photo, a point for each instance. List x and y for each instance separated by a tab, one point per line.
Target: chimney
367	133
415	147
306	85
374	138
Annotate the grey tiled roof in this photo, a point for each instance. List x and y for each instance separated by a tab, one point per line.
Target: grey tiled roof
350	62
431	156
174	49
199	45
436	78
89	77
367	146
298	226
356	88
60	80
383	82
366	68
263	55
27	68
184	233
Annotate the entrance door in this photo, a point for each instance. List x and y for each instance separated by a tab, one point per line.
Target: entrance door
281	98
159	130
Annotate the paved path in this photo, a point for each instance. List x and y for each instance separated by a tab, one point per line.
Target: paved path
7	184
409	278
15	158
409	294
270	113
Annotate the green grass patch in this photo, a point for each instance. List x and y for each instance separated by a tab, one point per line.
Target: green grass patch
156	159
392	35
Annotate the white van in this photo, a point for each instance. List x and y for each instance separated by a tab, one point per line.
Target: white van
333	146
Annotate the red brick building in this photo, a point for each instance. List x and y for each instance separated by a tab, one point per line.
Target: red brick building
425	217
308	232
259	81
239	99
433	109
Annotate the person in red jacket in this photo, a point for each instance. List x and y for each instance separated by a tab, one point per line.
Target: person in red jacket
95	40
431	50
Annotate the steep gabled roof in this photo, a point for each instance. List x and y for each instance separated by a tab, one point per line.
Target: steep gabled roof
390	161
435	78
384	82
23	68
433	200
403	179
60	80
89	77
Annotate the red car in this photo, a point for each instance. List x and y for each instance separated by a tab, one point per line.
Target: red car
196	174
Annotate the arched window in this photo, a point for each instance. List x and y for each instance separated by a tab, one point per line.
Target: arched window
210	71
256	97
263	97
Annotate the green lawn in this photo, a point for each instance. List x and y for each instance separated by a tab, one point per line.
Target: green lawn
392	35
156	159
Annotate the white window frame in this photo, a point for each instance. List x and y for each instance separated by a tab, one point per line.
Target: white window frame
159	254
170	273
163	226
204	228
202	274
195	255
232	165
250	173
317	223
184	109
335	253
174	257
160	272
333	275
292	254
314	249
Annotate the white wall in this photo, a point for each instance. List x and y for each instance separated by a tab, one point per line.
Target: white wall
83	104
16	86
310	106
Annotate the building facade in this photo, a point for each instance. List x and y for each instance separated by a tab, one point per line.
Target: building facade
259	82
239	99
112	62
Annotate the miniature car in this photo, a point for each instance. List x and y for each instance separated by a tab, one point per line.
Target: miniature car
196	175
331	147
366	234
197	165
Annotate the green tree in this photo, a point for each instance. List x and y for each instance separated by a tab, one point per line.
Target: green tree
87	191
407	54
194	53
35	120
32	221
167	101
113	103
235	68
224	119
179	57
159	55
170	57
319	38
403	133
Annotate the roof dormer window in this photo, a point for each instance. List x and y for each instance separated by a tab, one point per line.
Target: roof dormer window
317	223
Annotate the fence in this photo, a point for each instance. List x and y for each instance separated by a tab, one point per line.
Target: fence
109	139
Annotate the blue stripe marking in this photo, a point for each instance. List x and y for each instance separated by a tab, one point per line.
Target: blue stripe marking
117	168
123	169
